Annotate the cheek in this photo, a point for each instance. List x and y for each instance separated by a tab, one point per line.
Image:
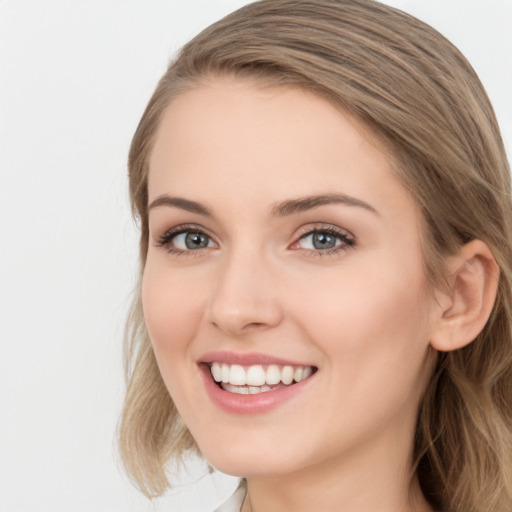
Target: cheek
373	333
172	303
371	324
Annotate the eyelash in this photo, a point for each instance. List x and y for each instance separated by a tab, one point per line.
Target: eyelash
166	239
347	240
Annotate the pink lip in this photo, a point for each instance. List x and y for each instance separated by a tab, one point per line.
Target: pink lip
251	358
250	404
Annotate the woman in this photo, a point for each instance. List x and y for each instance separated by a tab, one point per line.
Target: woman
325	299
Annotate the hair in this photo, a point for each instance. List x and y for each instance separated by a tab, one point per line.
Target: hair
419	94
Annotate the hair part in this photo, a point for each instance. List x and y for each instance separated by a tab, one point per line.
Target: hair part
419	95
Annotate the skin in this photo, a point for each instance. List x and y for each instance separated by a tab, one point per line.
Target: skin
363	315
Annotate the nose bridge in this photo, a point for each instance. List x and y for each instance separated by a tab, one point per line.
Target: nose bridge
243	298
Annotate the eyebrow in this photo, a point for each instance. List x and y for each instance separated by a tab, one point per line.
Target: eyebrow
302	204
282	209
180	202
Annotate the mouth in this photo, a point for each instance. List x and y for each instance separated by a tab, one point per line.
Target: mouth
257	379
253	383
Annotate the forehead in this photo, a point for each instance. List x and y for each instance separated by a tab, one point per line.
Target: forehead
257	105
231	134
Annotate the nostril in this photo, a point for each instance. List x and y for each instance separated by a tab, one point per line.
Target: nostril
238	325
255	325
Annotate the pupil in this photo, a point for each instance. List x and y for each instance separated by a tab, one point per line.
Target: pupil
196	241
323	241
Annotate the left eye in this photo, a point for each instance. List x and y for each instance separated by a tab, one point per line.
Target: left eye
321	240
190	240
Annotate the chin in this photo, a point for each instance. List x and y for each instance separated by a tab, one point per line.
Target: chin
252	469
253	460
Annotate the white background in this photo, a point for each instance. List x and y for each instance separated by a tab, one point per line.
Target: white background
74	79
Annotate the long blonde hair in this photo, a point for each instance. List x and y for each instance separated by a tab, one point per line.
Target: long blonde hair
421	96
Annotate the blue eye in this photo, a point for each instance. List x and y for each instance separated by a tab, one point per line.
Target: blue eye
320	241
190	240
182	239
325	240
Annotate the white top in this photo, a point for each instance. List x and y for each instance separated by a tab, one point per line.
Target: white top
234	504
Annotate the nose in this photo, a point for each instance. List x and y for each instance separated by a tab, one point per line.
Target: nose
244	298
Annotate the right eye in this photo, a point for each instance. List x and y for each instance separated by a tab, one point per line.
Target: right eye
181	240
190	240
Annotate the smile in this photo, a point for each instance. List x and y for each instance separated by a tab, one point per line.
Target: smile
255	379
253	383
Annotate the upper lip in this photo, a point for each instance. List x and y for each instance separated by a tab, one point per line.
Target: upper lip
246	359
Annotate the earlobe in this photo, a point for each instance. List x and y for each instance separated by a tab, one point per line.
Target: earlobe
466	307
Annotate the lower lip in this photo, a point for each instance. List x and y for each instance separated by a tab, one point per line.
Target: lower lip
249	404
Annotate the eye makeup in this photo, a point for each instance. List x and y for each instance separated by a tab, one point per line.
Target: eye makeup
319	239
323	240
192	238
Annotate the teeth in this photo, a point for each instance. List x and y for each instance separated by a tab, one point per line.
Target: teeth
216	370
237	375
225	373
273	375
287	375
240	390
256	377
245	390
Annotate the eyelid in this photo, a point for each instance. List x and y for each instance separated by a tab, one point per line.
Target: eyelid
165	240
323	226
346	236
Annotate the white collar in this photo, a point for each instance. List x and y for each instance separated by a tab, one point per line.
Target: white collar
234	504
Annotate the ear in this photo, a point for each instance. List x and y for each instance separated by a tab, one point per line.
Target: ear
464	309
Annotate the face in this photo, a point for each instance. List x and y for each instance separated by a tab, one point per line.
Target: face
284	258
